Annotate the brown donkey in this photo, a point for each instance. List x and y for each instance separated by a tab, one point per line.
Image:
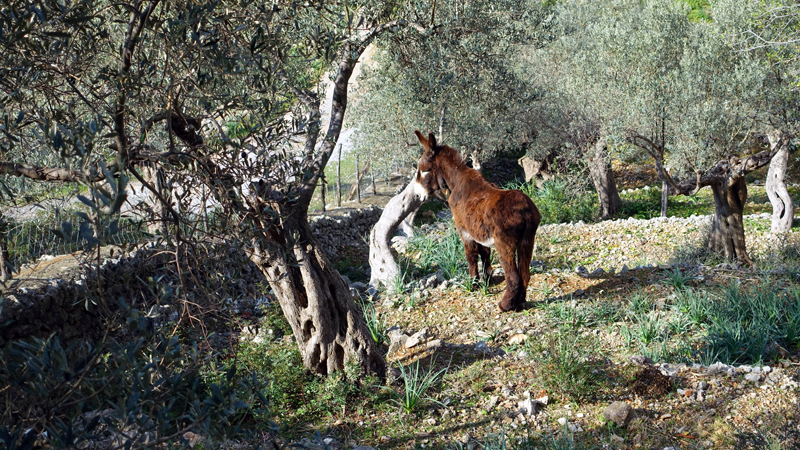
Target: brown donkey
485	216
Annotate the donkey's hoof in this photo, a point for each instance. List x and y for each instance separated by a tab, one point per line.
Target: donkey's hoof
506	307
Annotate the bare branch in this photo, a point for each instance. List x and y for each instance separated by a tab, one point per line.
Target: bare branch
39	173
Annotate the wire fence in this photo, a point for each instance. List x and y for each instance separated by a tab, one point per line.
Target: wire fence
31	239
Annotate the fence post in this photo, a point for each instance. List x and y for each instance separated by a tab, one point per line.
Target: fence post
372	175
322	178
339	179
358	180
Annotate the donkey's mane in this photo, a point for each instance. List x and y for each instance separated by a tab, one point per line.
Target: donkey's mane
469	178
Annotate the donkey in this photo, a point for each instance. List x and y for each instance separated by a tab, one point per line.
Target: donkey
485	216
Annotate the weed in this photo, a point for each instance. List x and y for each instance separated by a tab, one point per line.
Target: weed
569	364
677	279
397	284
640	303
648	328
544	289
562	199
416	382
375	324
693	305
568	313
445	252
748	324
604	312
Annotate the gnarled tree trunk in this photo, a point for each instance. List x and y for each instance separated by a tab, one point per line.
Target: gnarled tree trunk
782	204
381	260
727	229
604	182
327	324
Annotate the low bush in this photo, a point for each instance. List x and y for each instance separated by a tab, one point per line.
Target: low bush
147	390
562	199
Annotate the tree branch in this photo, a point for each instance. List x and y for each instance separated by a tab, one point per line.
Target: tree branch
61	174
135	26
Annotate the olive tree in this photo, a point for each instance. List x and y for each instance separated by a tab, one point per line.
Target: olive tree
222	95
770	30
676	90
458	81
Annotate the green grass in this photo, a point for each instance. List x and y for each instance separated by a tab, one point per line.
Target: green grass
442	251
569	364
561	200
416	382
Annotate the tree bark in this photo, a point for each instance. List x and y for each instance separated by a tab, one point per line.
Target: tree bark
727	229
782	204
664	197
604	182
407	225
381	259
328	326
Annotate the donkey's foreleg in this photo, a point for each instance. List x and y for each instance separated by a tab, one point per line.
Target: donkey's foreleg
473	251
486	261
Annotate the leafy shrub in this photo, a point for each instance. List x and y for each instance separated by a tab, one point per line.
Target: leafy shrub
562	199
130	394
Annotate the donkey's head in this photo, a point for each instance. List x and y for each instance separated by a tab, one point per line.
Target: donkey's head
429	174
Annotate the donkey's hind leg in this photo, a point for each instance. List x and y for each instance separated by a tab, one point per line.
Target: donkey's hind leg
514	297
525	253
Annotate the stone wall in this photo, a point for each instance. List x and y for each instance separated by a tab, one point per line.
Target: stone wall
67	303
350	229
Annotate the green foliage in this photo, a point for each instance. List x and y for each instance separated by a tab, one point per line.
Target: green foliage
699	10
130	393
416	382
444	252
677	279
561	199
293	392
375	324
747	322
569	364
461	75
694	304
639	303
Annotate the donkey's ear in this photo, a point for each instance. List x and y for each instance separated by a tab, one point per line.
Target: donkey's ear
432	141
425	144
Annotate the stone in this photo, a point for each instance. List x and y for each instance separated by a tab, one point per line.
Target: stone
582	271
753	376
716	368
435	343
616	440
562	421
620	413
597	273
640	360
517	339
396	342
416	338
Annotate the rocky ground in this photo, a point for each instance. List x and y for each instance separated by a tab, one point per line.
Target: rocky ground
501	381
